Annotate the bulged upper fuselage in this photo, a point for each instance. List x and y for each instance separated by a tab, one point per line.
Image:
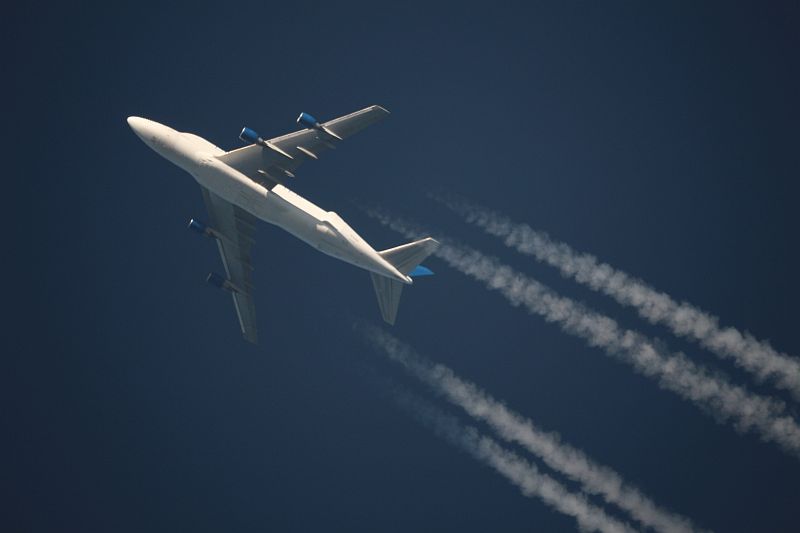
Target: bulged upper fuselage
323	230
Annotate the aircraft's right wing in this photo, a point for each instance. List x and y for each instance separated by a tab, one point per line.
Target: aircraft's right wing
276	159
234	231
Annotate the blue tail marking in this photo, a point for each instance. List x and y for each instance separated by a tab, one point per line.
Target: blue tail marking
419	271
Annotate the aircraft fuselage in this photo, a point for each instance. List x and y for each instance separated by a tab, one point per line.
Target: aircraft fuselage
324	230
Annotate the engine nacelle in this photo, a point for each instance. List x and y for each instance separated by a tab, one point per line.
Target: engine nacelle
200	228
250	136
307	121
197	226
221	282
216	280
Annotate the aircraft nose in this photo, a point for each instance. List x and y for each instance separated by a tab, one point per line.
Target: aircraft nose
138	125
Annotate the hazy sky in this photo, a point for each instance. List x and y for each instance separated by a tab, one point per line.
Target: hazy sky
662	139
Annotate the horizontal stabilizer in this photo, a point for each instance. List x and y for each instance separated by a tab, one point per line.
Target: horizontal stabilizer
407	256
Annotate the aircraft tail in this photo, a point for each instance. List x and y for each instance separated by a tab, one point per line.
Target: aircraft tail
406	258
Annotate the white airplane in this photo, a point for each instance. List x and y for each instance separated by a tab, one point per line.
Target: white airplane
246	184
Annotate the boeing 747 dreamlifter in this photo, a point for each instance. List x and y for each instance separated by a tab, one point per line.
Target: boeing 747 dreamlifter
246	184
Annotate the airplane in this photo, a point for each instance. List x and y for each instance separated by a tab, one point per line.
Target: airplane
247	184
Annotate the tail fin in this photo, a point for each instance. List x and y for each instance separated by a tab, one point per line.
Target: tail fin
406	258
388	291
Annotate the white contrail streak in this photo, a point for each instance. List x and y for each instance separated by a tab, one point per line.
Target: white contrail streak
563	458
530	481
684	319
674	372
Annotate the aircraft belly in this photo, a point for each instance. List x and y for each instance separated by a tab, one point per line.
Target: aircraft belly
289	211
237	189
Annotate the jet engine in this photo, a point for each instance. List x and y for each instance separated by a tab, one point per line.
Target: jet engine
198	227
252	136
310	122
220	282
307	120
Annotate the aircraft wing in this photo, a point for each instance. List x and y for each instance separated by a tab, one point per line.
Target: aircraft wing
234	230
275	160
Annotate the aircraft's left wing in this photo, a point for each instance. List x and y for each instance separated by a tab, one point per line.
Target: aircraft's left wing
234	230
272	161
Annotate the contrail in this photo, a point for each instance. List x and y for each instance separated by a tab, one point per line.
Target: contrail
713	393
518	471
563	458
684	319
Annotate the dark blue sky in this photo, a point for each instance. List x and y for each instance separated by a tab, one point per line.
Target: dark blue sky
661	138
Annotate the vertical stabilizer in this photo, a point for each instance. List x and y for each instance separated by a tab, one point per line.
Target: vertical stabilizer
388	291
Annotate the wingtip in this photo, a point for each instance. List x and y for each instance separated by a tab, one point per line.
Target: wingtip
432	243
